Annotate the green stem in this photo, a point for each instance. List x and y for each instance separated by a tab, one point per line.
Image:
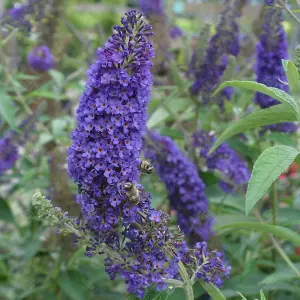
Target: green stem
274	222
283	5
174	282
188	288
284	256
274	212
279	249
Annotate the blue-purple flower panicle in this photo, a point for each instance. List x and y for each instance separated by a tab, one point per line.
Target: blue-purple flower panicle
8	154
212	265
23	15
184	186
225	42
40	59
270	50
224	159
111	120
104	161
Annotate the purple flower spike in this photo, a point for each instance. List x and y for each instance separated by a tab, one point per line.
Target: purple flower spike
270	50
40	59
224	42
224	159
184	186
8	154
104	161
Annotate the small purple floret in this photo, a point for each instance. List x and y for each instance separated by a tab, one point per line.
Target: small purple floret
40	59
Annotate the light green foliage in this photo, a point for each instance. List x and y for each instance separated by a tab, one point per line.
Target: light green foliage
297	58
266	170
275	93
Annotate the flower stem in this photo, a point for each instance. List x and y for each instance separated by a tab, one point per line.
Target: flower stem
188	287
283	5
274	212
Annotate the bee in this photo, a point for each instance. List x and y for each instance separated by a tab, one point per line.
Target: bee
132	192
145	167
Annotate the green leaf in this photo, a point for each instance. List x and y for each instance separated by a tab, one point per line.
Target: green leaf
72	283
171	107
279	231
7	109
5	212
44	94
58	127
285	64
172	132
45	138
272	115
262	295
268	167
293	77
281	138
57	76
275	93
213	291
243	298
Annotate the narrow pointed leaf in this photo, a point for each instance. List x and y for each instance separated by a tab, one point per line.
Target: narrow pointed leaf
285	64
278	231
272	115
275	93
293	78
262	295
7	109
212	291
243	298
268	167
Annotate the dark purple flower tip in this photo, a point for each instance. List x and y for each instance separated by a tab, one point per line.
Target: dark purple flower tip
40	59
175	32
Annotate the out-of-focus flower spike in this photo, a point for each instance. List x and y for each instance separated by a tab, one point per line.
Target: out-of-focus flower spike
224	159
184	186
270	50
223	43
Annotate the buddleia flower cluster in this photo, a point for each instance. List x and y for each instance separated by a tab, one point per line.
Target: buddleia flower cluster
40	59
8	154
155	13
185	188
23	16
270	50
104	160
224	42
224	160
